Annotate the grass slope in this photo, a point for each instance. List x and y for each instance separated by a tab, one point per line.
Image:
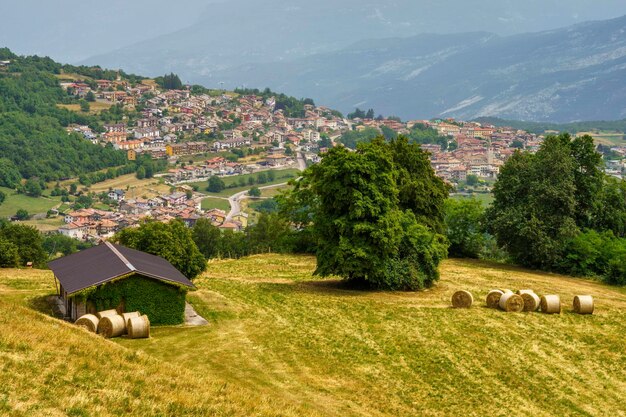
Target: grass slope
283	342
15	201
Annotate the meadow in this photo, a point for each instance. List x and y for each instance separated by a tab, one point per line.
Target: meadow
281	341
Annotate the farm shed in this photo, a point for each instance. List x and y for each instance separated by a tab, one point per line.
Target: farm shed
110	276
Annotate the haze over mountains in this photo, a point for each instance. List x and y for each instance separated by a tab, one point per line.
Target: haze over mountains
402	57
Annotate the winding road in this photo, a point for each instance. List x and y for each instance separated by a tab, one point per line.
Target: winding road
235	199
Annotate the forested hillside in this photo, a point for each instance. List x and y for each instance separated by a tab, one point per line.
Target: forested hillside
33	140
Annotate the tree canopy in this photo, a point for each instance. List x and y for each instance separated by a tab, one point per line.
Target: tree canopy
172	241
369	215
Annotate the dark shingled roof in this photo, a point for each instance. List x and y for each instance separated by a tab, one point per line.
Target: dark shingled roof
102	263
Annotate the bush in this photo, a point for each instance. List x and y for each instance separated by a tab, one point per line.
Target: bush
464	224
598	254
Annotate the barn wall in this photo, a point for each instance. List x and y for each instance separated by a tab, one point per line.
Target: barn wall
162	303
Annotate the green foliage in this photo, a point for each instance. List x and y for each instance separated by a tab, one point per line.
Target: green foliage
58	243
22	214
207	238
352	138
544	201
534	207
216	184
169	81
32	134
32	187
291	106
3	196
472	180
270	234
172	241
269	205
596	254
465	223
84	106
10	176
27	240
162	303
9	254
365	233
420	190
254	192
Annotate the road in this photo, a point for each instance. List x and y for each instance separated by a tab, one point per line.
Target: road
235	199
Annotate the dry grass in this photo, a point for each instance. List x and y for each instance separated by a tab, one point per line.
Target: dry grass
94	107
149	187
283	342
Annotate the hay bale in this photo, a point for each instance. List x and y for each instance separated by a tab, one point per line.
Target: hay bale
138	327
106	313
510	302
505	290
462	299
89	322
531	301
493	298
550	304
520	292
583	304
127	316
111	326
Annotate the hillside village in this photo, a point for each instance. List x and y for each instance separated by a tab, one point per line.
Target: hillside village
177	124
197	127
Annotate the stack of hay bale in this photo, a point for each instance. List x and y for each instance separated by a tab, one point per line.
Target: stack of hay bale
110	324
524	300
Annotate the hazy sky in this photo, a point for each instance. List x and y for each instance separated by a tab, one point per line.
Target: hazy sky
73	30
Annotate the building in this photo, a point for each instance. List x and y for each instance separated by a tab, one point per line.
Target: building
135	281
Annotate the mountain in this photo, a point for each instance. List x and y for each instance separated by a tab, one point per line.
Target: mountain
575	73
237	32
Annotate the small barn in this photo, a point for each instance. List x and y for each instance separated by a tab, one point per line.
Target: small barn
110	276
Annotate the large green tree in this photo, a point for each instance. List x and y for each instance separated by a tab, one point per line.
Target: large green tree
27	240
543	200
364	231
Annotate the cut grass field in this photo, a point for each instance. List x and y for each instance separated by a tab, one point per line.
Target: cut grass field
606	138
94	107
149	187
15	201
214	202
282	342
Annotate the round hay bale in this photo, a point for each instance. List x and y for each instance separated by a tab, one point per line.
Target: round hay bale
111	326
493	298
583	304
505	290
139	327
127	316
520	292
462	299
106	313
89	322
531	301
550	304
510	302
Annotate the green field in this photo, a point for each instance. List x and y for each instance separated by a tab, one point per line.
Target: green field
283	175
212	202
485	198
283	342
15	201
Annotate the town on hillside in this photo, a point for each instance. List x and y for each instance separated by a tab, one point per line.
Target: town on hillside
193	129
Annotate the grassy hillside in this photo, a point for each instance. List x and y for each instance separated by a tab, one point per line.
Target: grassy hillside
283	342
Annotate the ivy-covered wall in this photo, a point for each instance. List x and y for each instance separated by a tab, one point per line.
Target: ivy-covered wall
162	303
